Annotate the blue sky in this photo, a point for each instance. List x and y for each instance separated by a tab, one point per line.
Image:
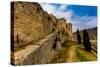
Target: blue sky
81	17
83	10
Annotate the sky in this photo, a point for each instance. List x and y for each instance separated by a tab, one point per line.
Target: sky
81	17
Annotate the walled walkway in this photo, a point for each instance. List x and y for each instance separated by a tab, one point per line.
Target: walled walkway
20	55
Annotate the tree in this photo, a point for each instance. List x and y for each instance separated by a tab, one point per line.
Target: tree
86	41
78	37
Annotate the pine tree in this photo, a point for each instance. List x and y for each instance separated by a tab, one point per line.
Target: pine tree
78	37
86	41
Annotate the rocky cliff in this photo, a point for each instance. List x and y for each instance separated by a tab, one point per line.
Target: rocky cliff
29	25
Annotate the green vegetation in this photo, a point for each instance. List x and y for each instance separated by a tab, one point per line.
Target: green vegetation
60	57
79	55
62	54
85	55
86	41
65	44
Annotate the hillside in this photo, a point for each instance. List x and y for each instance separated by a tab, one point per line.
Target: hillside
92	34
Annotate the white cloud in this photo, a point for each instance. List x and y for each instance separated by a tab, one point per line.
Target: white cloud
48	7
58	12
80	22
62	8
84	22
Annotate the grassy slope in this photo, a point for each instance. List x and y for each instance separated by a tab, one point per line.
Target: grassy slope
79	54
85	56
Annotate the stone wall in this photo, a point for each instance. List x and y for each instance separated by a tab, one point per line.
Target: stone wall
69	31
43	54
40	53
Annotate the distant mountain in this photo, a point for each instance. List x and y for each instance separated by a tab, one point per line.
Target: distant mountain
92	34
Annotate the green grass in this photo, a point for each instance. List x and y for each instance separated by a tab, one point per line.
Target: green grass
85	56
81	54
62	54
60	57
